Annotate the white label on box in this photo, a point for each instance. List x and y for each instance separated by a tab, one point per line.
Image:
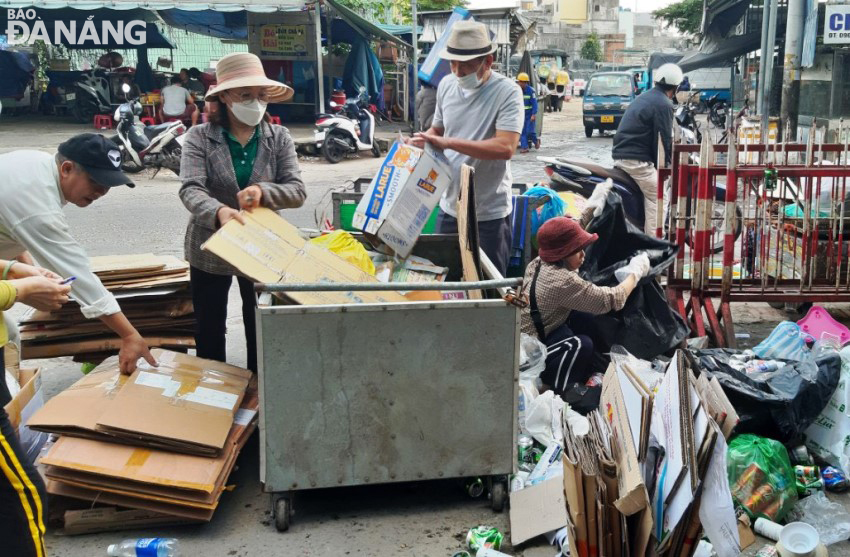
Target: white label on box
171	389
211	397
244	416
153	380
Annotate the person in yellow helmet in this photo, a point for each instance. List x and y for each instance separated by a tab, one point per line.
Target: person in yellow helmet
529	131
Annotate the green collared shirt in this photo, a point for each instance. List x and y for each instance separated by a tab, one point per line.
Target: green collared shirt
243	157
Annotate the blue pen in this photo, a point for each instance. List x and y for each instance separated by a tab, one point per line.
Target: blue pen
68	280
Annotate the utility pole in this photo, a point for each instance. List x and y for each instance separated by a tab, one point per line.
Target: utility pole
415	40
768	74
765	17
791	72
320	70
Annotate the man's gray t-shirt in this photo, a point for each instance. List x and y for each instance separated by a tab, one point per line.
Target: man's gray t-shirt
476	115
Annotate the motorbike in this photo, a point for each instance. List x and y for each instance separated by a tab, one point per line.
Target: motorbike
717	109
581	177
350	130
141	147
685	116
91	95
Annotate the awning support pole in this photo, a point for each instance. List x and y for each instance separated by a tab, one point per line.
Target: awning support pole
320	70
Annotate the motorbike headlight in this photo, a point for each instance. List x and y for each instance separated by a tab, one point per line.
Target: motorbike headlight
588	106
624	106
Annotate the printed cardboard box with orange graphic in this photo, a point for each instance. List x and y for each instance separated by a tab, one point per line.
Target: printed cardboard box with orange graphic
402	196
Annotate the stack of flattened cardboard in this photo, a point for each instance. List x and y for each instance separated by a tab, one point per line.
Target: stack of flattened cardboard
186	404
153	292
651	474
163	440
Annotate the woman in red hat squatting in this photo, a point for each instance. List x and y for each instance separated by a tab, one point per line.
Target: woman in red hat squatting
561	303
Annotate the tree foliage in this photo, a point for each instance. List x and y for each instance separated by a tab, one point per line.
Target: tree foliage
399	11
592	48
685	15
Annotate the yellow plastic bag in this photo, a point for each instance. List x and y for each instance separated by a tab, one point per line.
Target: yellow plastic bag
344	245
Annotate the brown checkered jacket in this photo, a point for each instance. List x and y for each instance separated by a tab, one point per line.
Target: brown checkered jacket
561	291
209	182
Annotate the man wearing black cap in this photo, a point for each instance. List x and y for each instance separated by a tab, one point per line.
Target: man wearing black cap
34	188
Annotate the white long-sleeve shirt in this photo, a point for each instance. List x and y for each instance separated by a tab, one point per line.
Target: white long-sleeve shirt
31	218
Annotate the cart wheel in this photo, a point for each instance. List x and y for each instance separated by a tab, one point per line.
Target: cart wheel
498	496
282	514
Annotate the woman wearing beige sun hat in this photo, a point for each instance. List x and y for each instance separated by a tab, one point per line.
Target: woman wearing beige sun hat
236	162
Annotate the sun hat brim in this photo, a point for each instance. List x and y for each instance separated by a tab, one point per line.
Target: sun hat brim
446	55
278	92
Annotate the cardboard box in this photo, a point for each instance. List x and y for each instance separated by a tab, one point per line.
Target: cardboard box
113	519
538	509
632	491
187	404
402	195
270	250
160	473
434	67
22	406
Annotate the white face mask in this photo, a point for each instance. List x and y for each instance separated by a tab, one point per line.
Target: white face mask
250	112
471	81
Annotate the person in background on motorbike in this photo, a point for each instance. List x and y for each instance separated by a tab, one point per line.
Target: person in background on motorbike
685	85
478	122
35	187
635	150
235	161
562	305
529	128
177	103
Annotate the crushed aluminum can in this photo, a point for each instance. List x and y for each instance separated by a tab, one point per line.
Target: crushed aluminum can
524	445
834	479
484	536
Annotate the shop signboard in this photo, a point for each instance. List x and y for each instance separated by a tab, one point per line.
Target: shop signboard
836	28
282	41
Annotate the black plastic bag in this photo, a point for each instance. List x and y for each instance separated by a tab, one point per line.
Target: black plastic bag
646	326
777	404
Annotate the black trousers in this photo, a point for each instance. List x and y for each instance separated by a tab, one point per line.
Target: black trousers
209	296
494	237
23	505
573	353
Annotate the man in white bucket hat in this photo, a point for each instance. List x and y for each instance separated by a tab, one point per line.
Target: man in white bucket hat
478	121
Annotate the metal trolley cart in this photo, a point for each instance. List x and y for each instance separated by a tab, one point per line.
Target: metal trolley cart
379	393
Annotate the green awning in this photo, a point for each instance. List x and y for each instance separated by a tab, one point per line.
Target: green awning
363	25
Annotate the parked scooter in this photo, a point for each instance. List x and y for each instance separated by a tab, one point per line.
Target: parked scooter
351	130
142	147
92	95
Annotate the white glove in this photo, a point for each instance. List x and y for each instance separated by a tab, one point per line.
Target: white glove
637	266
598	197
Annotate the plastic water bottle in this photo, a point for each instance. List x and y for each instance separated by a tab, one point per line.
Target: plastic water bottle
145	547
